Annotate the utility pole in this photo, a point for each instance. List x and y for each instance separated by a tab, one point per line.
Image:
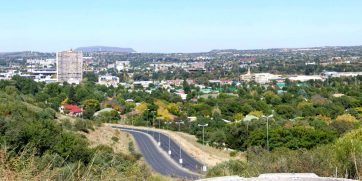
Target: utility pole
179	129
204	168
267	129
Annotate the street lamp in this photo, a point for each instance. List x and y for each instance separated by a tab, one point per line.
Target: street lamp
179	128
204	168
267	129
148	120
169	139
159	134
153	122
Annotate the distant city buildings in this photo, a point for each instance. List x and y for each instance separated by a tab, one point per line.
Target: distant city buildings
108	80
188	66
69	66
261	78
328	74
305	78
120	66
41	63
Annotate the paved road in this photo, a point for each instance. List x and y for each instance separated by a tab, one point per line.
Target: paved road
188	161
157	160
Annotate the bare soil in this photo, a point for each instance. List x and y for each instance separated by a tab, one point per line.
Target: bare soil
103	136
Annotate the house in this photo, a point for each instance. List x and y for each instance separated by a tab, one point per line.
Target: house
71	110
108	80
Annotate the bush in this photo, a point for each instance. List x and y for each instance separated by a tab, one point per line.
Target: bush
66	124
233	153
115	139
73	148
47	113
232	167
293	138
345	155
83	125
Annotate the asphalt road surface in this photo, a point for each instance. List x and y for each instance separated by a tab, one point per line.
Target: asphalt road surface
188	161
160	162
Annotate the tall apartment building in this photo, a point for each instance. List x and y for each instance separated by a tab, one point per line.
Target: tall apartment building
70	66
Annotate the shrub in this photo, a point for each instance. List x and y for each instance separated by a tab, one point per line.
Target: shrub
115	139
83	125
73	148
233	153
47	113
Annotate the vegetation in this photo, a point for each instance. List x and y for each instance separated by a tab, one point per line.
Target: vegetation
342	159
34	145
309	121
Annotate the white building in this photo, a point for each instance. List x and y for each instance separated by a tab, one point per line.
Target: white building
108	80
69	66
327	74
120	65
264	78
305	78
40	63
261	78
144	84
44	78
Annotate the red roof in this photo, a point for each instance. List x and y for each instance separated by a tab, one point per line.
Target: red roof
73	108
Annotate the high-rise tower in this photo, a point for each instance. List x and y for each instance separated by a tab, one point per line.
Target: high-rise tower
70	66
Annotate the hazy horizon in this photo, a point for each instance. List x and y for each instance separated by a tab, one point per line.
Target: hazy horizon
179	26
186	52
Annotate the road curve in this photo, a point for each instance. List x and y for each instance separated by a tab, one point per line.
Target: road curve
189	162
158	160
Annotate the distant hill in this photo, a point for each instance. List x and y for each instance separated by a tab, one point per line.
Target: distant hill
105	49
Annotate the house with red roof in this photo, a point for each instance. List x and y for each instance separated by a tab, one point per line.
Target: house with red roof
71	110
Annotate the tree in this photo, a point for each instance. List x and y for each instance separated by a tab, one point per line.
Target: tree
256	113
286	111
186	87
26	85
91	104
238	117
72	97
174	108
91	77
346	118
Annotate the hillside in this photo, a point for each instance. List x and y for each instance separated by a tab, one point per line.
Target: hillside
36	145
91	49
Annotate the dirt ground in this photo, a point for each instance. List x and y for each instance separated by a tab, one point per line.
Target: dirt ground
188	142
103	136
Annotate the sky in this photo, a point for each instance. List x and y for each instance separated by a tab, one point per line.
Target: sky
178	25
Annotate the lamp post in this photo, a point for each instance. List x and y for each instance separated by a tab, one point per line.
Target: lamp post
204	168
159	134
153	122
148	131
267	129
169	139
179	129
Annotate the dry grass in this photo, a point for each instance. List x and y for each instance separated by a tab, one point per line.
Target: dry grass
103	136
212	155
